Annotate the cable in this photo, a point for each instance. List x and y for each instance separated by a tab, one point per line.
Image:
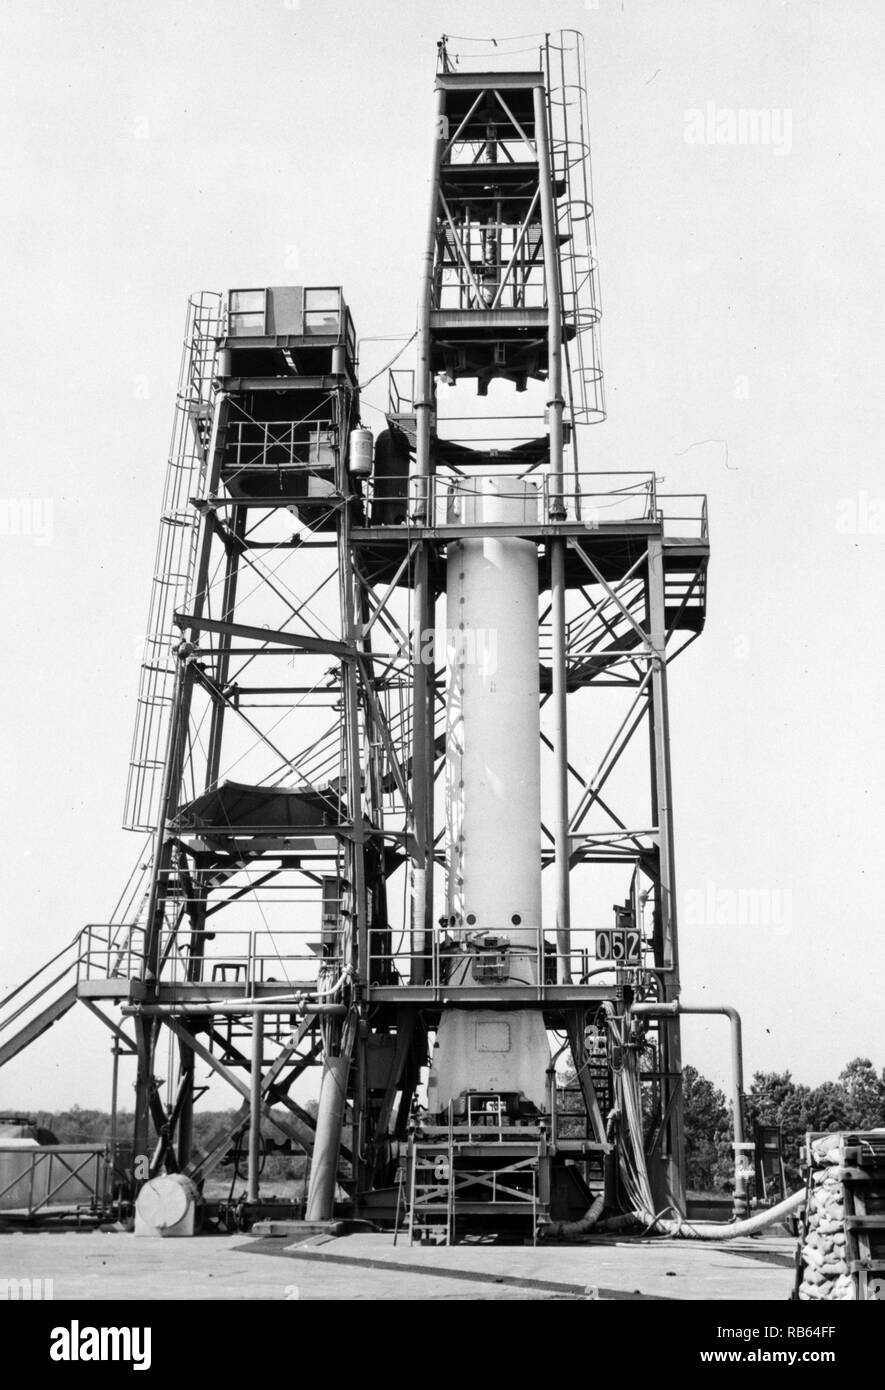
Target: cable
388	365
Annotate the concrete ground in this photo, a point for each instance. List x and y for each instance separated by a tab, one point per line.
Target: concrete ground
92	1265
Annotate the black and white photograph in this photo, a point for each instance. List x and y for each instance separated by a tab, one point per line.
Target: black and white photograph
442	531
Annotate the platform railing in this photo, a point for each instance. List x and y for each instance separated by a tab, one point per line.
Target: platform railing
253	445
111	951
684	513
598	955
593	499
246	960
34	1180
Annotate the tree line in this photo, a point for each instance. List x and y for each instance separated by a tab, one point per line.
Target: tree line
856	1100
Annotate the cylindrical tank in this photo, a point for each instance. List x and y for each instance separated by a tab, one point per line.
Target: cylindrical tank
493	774
390	489
166	1202
361	449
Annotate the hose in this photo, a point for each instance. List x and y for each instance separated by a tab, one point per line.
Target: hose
625	1126
567	1230
706	1230
678	1229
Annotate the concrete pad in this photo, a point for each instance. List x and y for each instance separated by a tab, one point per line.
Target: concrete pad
86	1266
738	1270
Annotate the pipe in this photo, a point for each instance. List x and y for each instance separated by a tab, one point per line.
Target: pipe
424	394
677	1007
422	777
330	1118
422	736
255	1108
245	1006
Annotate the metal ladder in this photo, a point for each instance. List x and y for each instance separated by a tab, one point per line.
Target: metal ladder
434	1195
175	560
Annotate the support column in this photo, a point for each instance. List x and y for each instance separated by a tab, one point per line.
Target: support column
330	1117
422	774
422	682
424	388
172	774
556	511
234	547
144	1047
255	1106
555	403
559	704
669	1033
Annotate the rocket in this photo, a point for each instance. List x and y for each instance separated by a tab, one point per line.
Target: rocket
491	935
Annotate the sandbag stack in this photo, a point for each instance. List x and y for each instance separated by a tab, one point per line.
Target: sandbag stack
824	1251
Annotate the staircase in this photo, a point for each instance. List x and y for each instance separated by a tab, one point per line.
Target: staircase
56	983
604	638
99	962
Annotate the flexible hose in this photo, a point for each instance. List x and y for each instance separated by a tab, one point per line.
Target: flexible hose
682	1230
706	1230
566	1230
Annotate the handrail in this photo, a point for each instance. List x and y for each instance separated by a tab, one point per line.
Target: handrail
45	966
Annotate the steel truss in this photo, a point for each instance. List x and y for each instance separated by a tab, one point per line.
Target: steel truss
288	917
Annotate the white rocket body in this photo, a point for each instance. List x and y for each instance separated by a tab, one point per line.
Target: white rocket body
493	798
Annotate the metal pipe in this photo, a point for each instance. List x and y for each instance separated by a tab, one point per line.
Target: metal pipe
560	751
422	781
422	784
330	1118
248	1006
110	1173
677	1007
424	394
555	400
255	1108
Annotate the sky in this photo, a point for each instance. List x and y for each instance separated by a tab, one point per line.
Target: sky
153	150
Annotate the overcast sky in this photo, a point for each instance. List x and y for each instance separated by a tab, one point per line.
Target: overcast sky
151	150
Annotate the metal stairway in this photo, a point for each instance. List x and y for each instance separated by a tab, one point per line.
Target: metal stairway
605	637
57	979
